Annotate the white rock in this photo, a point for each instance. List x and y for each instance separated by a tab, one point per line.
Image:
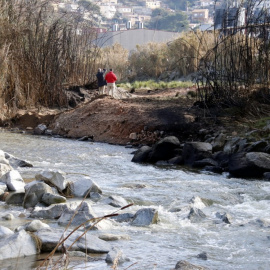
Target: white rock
82	186
4	168
13	180
57	178
17	245
4	231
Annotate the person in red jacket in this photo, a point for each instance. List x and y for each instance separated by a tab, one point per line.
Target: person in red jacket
110	79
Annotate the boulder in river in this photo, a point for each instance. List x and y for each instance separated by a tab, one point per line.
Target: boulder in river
141	155
194	151
77	216
16	162
116	255
4	231
252	164
34	192
4	168
55	178
53	211
13	180
184	265
87	243
49	198
164	149
17	245
33	226
196	215
145	217
15	198
116	201
81	187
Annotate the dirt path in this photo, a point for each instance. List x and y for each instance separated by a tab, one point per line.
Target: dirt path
138	118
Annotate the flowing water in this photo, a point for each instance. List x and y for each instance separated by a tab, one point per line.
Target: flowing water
243	244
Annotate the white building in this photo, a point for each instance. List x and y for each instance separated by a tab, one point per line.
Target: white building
107	10
152	4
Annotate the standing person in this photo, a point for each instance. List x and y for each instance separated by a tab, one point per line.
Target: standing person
110	79
101	81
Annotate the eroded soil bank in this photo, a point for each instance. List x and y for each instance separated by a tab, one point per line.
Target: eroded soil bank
142	117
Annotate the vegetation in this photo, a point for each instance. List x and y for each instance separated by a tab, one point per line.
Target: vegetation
180	5
151	84
41	52
165	20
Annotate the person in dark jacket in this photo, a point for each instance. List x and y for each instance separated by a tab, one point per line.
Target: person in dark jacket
101	81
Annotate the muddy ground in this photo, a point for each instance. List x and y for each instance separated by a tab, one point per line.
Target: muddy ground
141	117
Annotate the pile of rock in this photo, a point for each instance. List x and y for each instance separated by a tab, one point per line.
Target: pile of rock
45	198
220	154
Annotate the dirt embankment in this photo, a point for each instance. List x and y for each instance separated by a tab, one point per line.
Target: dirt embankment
140	118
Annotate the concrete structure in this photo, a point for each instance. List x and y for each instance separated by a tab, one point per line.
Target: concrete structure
152	4
124	9
128	39
200	15
206	3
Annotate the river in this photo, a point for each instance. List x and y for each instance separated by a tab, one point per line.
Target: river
243	244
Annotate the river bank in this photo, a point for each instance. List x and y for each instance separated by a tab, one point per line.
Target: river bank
142	117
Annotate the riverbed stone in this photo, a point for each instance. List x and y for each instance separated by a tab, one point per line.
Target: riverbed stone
193	151
3	159
40	129
8	216
184	265
53	211
219	142
116	201
3	187
81	187
16	162
34	192
145	217
196	215
4	231
113	237
13	180
252	164
125	217
231	145
49	198
197	202
205	162
15	198
33	226
224	217
56	178
257	146
164	149
116	255
87	243
77	216
4	168
17	245
141	155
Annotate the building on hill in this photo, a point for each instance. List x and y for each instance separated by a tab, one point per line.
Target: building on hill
152	4
107	10
206	3
129	39
200	15
142	10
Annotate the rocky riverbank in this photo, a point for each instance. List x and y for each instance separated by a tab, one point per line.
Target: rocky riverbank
45	201
146	117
